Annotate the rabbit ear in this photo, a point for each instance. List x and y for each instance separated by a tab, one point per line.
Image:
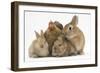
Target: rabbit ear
37	34
42	34
50	22
74	20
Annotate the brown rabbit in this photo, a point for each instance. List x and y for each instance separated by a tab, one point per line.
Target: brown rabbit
52	32
62	47
75	35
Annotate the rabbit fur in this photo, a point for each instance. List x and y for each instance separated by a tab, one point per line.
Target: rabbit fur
74	34
62	47
39	46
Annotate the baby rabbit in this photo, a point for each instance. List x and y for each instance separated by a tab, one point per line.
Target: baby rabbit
52	32
75	35
39	47
62	47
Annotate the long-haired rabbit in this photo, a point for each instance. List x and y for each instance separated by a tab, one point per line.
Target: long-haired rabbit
62	47
75	35
39	47
52	32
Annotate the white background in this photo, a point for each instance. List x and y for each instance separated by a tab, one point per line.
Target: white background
5	40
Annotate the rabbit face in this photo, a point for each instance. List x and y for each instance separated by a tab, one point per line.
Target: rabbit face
70	31
59	48
42	43
42	47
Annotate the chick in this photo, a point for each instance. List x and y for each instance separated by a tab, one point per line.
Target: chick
52	32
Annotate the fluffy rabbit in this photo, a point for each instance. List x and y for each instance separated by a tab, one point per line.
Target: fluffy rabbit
39	47
62	47
52	32
75	35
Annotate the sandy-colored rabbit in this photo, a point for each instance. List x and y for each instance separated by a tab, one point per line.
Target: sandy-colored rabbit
75	35
52	32
39	47
62	47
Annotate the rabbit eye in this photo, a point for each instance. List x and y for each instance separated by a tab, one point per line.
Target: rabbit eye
70	28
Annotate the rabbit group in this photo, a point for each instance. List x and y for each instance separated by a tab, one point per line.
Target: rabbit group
59	41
